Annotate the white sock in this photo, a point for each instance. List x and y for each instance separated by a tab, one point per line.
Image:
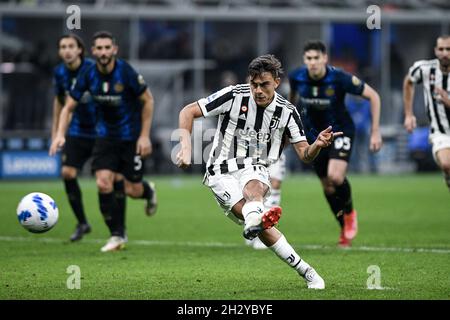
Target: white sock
252	206
274	199
286	253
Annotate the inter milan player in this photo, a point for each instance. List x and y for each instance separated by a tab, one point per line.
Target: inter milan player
125	111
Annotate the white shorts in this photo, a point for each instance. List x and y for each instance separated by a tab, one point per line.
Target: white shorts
439	141
227	188
277	170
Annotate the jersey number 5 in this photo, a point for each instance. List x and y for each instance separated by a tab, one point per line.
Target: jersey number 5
137	163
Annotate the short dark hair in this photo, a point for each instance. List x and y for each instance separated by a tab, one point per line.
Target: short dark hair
102	35
315	45
77	39
265	63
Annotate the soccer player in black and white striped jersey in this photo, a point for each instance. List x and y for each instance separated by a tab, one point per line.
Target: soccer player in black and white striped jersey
434	75
254	123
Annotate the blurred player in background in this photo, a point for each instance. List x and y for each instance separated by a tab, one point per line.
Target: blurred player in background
322	89
125	111
253	125
434	75
82	130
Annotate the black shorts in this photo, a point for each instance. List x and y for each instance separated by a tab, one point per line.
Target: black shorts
340	149
77	151
118	156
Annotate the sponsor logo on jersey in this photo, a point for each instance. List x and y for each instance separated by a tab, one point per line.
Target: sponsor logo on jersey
118	87
249	134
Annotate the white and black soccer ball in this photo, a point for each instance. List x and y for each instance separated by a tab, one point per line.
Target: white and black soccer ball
37	212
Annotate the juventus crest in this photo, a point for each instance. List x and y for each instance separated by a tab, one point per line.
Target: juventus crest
274	122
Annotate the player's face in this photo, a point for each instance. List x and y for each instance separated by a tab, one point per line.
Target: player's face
442	51
315	61
69	50
104	50
263	88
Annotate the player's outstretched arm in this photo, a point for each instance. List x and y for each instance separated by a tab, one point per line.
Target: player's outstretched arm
57	106
186	119
307	153
408	94
375	109
144	144
64	119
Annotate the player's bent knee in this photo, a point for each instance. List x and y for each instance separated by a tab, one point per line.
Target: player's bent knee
68	173
445	166
336	180
255	190
104	185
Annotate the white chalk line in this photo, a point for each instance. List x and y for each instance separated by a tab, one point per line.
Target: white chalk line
230	245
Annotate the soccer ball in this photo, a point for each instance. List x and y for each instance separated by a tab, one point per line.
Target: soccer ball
37	212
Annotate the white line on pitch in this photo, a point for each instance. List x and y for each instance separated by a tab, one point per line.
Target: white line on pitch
229	245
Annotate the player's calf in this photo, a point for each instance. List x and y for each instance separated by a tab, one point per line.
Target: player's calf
285	252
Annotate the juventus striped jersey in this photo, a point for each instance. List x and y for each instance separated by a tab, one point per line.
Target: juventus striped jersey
247	134
429	73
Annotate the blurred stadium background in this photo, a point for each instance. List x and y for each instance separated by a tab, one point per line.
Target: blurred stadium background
187	49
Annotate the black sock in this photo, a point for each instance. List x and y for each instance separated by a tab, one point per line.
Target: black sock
75	199
121	200
344	192
148	192
336	206
110	212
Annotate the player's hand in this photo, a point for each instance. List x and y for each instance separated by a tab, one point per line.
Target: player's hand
442	96
144	146
326	137
56	145
410	123
375	141
183	158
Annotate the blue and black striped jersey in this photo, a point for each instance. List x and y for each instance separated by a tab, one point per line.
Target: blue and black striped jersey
83	123
117	96
322	102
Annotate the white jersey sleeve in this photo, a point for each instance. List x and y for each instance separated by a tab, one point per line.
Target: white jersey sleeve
294	130
217	103
415	72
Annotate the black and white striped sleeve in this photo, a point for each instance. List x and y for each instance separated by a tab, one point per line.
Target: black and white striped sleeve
294	128
217	103
415	72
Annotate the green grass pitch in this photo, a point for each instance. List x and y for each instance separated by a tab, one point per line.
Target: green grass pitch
189	250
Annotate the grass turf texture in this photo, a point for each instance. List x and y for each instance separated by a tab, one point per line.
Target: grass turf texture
189	250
